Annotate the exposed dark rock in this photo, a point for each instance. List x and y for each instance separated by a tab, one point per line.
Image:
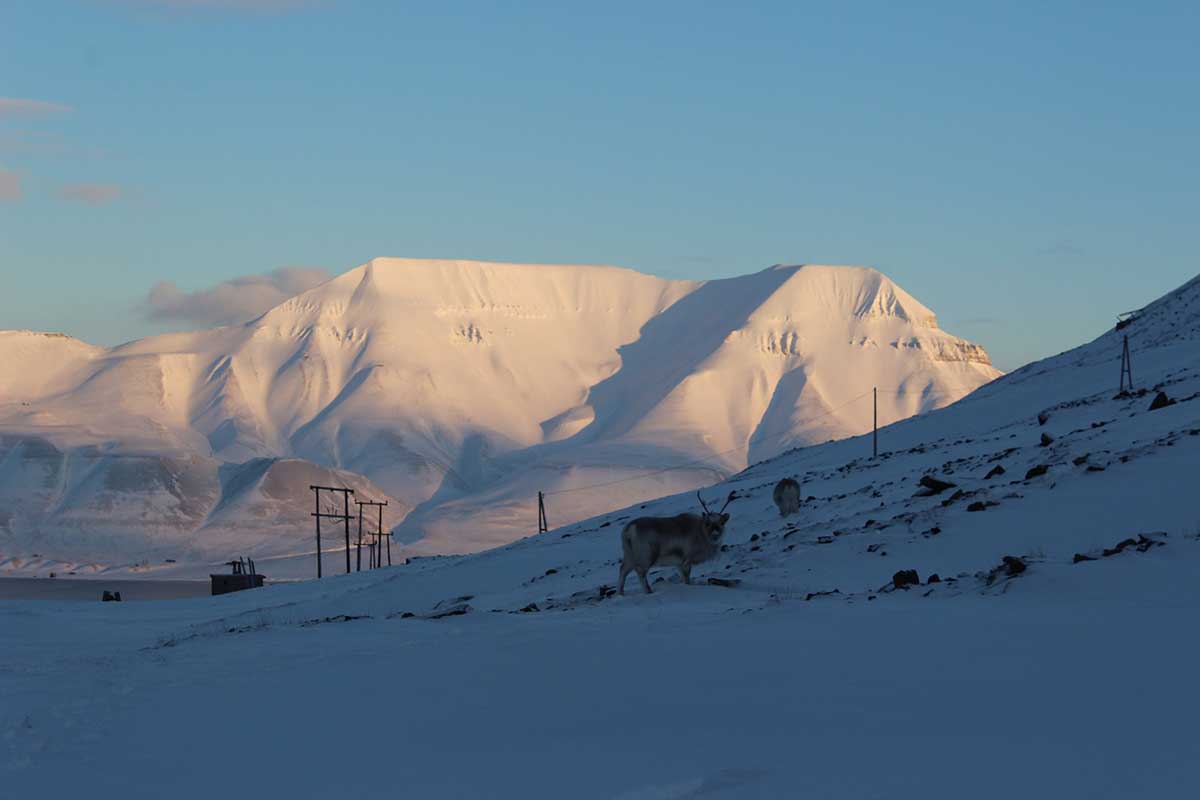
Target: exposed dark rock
934	578
551	571
1081	460
108	597
1047	440
1013	565
754	537
982	505
1095	468
811	595
1043	417
1161	401
452	611
906	577
531	608
1112	551
1081	557
956	496
996	471
1142	543
824	540
934	486
934	531
1009	567
726	582
1038	471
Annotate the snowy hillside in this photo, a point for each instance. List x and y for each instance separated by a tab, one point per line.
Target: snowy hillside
1049	656
460	389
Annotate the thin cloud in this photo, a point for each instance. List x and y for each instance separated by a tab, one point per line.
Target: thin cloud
231	301
93	194
1063	249
10	186
11	107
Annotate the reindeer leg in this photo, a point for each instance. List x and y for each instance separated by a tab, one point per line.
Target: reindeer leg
685	569
645	584
624	574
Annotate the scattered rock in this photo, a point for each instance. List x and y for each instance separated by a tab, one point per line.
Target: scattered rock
110	597
1081	460
1081	557
728	583
956	496
906	577
1142	543
871	548
982	505
451	611
934	578
933	486
551	571
1037	472
1009	567
530	609
1095	468
1043	417
1161	401
824	540
811	595
1014	565
754	537
934	531
1047	440
997	471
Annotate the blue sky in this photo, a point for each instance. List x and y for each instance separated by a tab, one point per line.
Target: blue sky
1025	169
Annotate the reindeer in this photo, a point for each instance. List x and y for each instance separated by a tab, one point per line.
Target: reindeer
682	541
787	497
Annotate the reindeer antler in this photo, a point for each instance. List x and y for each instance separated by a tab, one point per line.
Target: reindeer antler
732	496
702	504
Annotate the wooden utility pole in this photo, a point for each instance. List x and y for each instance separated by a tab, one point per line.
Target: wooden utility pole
376	553
543	526
875	424
317	515
345	517
1126	369
358	563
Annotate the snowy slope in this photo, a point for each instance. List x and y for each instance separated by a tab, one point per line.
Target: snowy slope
463	389
812	676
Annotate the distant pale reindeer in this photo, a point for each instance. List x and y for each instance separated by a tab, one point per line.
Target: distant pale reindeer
787	497
682	541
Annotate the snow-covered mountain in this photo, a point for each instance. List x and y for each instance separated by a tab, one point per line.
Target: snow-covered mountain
458	389
1050	652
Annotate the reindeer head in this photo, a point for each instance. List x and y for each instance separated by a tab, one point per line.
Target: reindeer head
714	521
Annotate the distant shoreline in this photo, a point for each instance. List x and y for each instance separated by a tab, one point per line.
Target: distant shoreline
82	589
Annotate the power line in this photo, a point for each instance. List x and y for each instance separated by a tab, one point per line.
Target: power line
898	391
706	458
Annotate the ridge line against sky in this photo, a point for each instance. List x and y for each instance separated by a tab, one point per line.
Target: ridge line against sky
1026	171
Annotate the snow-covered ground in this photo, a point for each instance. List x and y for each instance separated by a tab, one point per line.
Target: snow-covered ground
453	390
1066	670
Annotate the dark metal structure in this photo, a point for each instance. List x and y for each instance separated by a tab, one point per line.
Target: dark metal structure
242	575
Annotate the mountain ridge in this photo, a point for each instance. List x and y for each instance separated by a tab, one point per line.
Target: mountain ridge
462	388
